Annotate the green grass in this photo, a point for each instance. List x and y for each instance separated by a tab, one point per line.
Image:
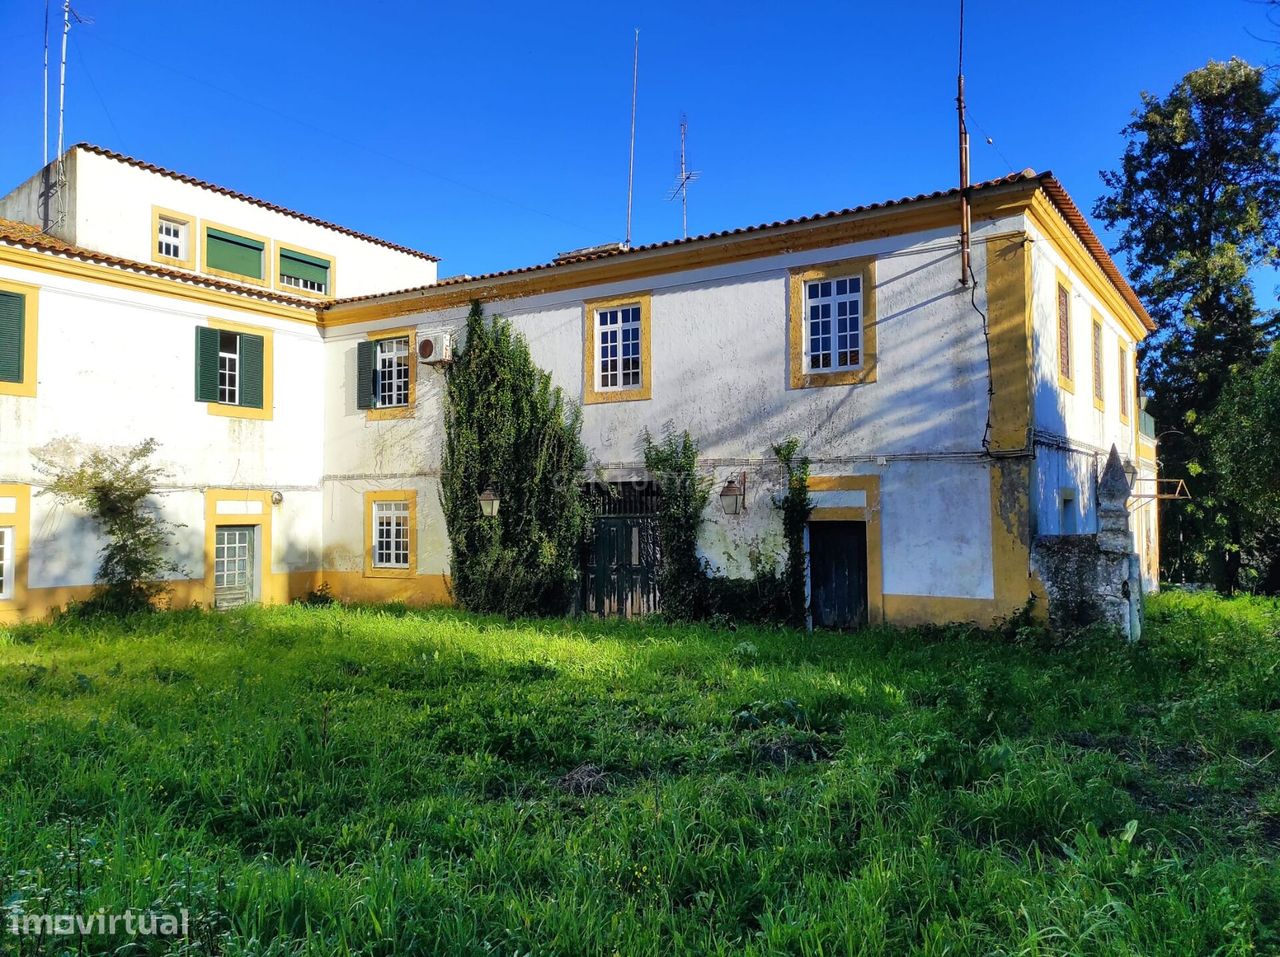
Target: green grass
332	781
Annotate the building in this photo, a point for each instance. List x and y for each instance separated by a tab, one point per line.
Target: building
272	357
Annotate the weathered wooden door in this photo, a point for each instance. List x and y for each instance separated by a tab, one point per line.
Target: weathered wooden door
619	573
838	574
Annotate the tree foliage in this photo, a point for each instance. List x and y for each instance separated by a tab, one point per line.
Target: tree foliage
1197	202
1245	446
508	428
682	495
796	506
115	486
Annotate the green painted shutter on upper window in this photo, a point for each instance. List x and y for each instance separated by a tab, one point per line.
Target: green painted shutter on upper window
364	375
232	253
206	364
250	371
13	316
302	266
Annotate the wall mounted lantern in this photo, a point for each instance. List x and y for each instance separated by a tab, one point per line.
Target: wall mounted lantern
489	502
733	497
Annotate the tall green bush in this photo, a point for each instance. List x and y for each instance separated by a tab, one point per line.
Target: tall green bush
796	506
115	487
508	428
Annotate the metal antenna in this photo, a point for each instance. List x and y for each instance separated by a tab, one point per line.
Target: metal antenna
61	186
687	176
631	167
965	220
45	143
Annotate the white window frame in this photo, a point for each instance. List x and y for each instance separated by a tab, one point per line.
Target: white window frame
398	537
619	341
828	301
8	571
228	370
172	245
393	375
310	285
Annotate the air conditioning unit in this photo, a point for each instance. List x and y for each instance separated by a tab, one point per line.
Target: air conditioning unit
435	348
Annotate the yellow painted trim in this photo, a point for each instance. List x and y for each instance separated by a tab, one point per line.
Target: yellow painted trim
395	495
1146	448
420	591
30	338
1049	222
1097	353
865	269
267	245
60	265
1065	379
1126	398
11	609
329	293
267	412
591	395
273	587
398	411
193	227
870	514
1009	297
870	224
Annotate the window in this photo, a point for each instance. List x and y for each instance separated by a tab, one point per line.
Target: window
234	255
618	348
17	339
832	324
8	563
304	271
1064	336
391	534
233	371
1124	385
385	376
1068	513
172	238
834	317
1097	365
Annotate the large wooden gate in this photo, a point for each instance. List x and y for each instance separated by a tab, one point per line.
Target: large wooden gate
619	569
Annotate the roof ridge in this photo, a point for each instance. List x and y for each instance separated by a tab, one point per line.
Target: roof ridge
245	197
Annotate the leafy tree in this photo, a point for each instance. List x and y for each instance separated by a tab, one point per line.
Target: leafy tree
115	486
1245	446
1197	199
683	496
507	428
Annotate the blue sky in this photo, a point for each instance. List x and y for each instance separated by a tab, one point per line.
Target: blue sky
496	135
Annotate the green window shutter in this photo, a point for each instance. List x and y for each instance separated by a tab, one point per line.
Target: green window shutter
250	371
206	364
232	253
13	315
302	266
364	375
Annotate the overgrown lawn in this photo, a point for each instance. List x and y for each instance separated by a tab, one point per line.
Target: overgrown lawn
333	781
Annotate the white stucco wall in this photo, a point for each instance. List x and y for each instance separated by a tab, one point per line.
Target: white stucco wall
116	366
720	370
113	214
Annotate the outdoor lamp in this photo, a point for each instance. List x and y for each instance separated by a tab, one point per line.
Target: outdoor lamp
489	502
1130	471
733	497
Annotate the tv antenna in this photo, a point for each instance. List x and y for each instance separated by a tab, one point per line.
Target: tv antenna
687	176
963	130
631	166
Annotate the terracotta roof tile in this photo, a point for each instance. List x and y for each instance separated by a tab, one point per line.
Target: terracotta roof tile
30	237
184	178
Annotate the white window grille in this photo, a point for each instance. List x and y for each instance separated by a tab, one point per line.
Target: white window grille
6	563
391	534
229	368
393	372
835	323
308	284
172	239
618	348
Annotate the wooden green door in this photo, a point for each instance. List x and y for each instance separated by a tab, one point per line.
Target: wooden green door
619	569
838	574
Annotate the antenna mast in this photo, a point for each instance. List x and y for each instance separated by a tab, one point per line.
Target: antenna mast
631	166
964	161
45	143
687	176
